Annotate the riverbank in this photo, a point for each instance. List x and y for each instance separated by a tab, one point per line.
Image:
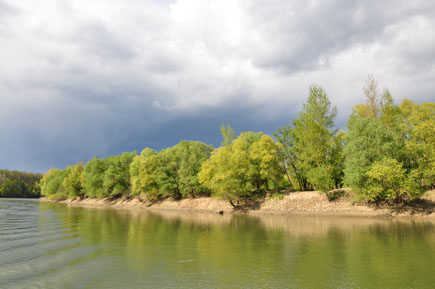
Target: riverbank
296	203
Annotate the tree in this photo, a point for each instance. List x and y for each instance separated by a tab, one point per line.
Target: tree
265	154
192	155
372	100
228	134
93	177
72	183
420	144
15	184
385	180
51	183
249	163
141	172
171	173
314	137
117	174
285	136
368	141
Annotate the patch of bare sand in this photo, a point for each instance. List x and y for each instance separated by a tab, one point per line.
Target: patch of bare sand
294	203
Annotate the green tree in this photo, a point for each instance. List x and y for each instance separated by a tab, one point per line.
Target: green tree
368	141
93	177
11	188
72	183
228	134
265	154
16	184
285	136
420	143
142	172
192	155
385	180
117	174
51	183
249	163
171	173
314	138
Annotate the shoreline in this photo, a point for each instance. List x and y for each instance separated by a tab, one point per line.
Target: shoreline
295	203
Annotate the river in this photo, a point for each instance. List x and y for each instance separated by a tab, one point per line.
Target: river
45	245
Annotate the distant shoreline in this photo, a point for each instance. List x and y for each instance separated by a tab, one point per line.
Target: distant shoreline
295	203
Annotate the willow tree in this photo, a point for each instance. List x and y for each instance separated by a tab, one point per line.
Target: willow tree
251	162
142	171
72	183
173	172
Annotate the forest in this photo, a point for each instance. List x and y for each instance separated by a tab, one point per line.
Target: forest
387	153
15	184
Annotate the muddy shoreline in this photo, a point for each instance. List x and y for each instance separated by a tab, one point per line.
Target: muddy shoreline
295	203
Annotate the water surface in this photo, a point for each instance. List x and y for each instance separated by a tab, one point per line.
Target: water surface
44	245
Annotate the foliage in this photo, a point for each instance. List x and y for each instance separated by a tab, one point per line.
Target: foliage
15	184
228	134
52	183
321	178
421	143
310	146
250	162
116	180
171	173
368	141
93	177
285	137
192	155
385	180
388	153
72	183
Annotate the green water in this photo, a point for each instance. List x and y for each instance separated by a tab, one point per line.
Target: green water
46	245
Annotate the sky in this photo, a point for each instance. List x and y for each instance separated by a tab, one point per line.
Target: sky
79	78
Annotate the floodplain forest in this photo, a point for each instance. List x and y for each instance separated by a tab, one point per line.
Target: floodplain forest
386	154
15	184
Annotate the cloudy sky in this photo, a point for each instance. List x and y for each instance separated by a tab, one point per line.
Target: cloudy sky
79	78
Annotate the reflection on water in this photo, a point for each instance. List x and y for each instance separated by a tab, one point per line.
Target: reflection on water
46	245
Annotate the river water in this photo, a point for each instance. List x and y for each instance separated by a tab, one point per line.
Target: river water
44	245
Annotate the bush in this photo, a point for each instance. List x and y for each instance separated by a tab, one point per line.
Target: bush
321	178
386	181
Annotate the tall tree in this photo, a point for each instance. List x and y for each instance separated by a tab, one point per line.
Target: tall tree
250	162
72	183
285	136
372	99
228	134
314	138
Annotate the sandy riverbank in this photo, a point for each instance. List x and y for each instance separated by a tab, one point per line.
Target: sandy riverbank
296	203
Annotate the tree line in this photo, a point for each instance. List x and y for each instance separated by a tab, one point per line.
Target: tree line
387	153
15	184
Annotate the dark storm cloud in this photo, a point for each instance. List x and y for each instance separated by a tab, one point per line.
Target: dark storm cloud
80	78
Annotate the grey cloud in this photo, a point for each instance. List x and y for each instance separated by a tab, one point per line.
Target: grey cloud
88	85
304	37
103	43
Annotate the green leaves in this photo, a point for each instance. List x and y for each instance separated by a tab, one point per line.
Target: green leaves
171	173
385	180
250	162
387	153
15	184
390	156
310	146
72	183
